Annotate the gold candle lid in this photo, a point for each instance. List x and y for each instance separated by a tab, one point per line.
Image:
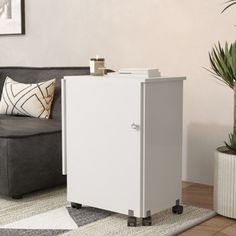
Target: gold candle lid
97	59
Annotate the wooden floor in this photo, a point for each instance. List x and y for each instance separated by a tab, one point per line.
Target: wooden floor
202	196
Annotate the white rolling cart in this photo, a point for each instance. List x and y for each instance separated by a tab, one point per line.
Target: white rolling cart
122	144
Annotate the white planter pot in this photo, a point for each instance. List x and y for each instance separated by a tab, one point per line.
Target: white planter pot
225	184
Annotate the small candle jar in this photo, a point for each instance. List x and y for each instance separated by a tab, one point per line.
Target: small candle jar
97	66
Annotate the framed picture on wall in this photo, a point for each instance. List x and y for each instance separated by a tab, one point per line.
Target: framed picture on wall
12	19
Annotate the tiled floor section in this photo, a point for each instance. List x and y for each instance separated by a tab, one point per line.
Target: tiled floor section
202	196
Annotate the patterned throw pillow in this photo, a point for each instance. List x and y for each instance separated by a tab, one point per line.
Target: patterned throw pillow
27	99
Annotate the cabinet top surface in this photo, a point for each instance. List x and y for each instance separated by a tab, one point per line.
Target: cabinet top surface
153	79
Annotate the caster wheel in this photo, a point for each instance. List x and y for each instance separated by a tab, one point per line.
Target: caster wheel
177	209
132	221
147	221
76	205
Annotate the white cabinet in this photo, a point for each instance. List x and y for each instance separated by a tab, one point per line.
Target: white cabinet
122	141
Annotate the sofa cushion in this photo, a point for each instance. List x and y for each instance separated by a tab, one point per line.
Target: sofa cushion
16	126
30	163
27	99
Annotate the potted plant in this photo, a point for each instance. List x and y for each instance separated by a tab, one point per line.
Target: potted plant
223	67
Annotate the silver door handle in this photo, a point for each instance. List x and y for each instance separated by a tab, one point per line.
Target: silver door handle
135	126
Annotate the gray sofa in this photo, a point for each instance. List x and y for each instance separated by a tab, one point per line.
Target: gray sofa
30	148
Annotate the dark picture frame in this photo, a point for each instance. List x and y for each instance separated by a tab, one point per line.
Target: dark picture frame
12	17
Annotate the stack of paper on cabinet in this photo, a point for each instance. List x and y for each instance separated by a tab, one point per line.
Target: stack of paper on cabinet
135	73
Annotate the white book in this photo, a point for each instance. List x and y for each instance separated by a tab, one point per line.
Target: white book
149	72
129	75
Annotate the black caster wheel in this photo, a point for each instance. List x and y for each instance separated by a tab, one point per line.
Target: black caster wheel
177	209
76	205
132	221
147	221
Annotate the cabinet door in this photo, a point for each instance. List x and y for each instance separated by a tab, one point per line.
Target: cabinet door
103	143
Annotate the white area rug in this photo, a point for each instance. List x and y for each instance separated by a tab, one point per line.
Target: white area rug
48	213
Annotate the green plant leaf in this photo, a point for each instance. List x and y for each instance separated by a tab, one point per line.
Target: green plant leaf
232	141
223	63
231	3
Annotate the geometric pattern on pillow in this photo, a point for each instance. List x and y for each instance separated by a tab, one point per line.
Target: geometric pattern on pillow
27	99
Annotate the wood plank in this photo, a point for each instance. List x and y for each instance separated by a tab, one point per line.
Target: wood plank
198	195
186	184
229	231
218	223
199	231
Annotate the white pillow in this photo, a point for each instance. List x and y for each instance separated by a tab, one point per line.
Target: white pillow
27	99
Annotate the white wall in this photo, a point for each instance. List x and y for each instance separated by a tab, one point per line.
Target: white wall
173	35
